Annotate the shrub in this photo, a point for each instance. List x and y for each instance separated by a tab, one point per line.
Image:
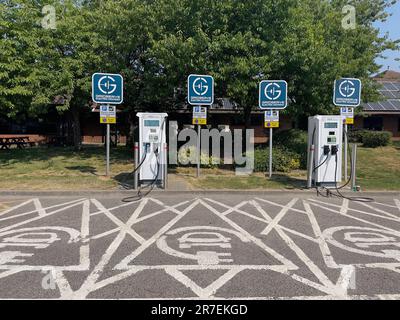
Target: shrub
374	139
283	160
356	136
295	141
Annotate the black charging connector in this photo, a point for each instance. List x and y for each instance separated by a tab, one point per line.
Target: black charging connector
334	150
327	150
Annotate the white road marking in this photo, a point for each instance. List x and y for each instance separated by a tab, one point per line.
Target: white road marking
86	288
237	210
397	202
346	277
38	206
328	285
380	211
124	263
40	217
315	202
35	211
279	217
290	265
358	219
15	207
326	253
332	290
345	207
126	228
209	291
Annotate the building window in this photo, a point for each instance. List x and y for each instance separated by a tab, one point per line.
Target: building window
373	123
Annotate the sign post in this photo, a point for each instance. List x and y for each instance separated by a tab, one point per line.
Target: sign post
200	93
348	118
347	95
108	89
199	118
108	151
271	121
273	96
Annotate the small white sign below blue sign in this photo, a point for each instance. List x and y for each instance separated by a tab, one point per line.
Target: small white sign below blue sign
347	92
200	90
273	94
107	88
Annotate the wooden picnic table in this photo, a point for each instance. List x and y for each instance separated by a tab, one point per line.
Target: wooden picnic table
20	142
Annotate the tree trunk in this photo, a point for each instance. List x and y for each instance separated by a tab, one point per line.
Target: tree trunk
247	117
132	128
76	128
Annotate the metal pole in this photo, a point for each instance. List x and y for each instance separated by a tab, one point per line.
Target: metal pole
270	152
136	175
108	151
310	167
354	167
198	150
165	166
345	153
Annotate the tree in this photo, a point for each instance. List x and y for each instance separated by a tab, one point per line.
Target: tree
156	44
242	42
44	63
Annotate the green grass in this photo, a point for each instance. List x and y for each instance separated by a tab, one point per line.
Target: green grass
66	169
253	182
379	169
62	169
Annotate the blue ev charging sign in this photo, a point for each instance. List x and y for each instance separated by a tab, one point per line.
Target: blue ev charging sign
107	88
347	92
273	94
200	90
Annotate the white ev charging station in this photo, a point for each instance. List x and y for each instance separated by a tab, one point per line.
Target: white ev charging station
152	148
325	149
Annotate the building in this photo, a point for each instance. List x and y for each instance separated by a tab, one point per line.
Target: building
383	115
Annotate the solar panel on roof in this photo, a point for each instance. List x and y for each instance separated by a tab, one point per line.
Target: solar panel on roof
367	107
386	86
396	104
396	94
387	94
388	106
396	85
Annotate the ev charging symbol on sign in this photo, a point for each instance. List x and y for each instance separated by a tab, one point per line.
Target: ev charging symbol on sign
200	86
107	85
347	92
273	91
107	88
200	90
273	94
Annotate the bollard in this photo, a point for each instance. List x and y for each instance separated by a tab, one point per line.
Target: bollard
310	167
165	171
136	175
354	168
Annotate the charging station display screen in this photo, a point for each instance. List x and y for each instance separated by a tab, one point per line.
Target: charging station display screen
331	125
151	123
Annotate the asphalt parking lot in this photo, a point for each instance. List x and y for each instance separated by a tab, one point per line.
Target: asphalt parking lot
199	246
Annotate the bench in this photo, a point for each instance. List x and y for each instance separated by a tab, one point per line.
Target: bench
19	142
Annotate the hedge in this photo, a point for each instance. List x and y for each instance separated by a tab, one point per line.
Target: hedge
370	139
374	139
295	141
283	160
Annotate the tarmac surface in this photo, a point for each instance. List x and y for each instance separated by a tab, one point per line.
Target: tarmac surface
228	245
